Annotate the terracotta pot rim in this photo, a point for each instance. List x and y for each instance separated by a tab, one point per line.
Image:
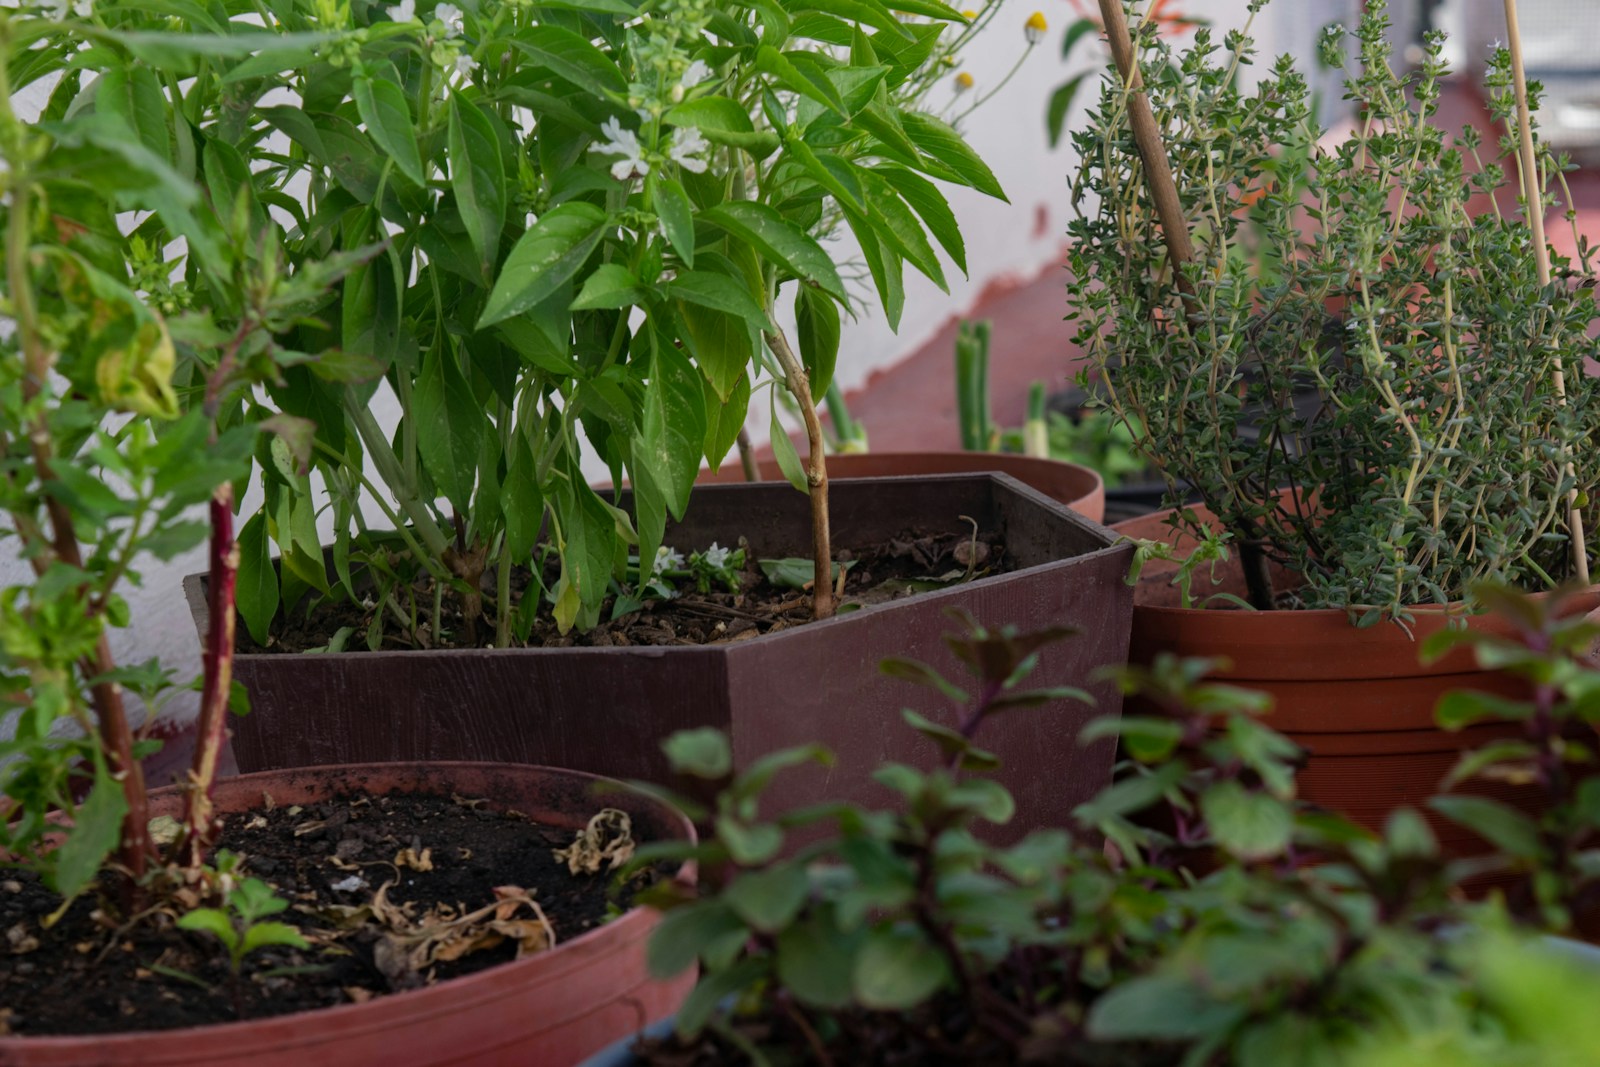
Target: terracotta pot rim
411	1003
1279	617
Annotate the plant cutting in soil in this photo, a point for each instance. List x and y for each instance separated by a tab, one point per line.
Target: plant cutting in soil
708	597
358	896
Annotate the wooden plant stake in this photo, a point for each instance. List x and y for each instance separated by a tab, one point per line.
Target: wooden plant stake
1533	199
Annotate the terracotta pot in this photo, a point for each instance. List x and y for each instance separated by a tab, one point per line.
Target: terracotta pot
606	710
1357	700
1078	487
554	1008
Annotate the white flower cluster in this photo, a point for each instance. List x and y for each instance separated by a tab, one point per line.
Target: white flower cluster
685	149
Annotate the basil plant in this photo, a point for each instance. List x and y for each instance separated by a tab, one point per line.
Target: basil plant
560	226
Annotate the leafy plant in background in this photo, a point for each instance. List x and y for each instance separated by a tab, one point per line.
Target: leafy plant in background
906	935
101	466
572	227
1353	325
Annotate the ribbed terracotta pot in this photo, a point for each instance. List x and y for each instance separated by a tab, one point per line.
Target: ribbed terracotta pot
1079	488
553	1009
1357	700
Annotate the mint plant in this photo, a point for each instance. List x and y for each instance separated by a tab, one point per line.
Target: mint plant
903	935
1351	325
126	404
570	230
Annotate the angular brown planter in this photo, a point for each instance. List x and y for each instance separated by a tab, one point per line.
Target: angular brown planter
554	1008
1357	700
1079	488
606	710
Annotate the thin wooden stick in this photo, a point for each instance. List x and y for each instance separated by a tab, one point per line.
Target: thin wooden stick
1533	199
1147	138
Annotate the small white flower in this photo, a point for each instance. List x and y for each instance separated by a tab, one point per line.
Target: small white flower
404	11
716	557
687	144
465	65
624	143
697	73
451	16
668	559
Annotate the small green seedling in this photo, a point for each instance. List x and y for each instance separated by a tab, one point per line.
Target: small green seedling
238	925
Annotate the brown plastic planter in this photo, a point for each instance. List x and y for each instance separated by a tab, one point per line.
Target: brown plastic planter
606	710
1357	700
1079	488
554	1008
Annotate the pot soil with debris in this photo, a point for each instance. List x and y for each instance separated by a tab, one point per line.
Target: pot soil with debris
388	893
691	602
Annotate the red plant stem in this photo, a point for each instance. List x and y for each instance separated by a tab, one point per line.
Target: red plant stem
197	809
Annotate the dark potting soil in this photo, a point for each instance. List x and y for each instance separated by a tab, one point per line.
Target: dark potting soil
902	566
391	892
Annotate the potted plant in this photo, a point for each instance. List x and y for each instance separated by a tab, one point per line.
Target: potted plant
896	936
1377	311
1078	486
679	168
131	910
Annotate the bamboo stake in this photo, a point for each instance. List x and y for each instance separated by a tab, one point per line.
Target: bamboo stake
1533	199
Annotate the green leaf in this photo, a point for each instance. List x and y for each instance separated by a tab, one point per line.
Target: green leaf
750	845
900	228
769	899
96	829
211	921
722	121
817	330
794	572
573	58
1500	824
260	935
544	258
799	73
897	970
931	206
703	753
135	97
886	267
816	961
1249	825
674	430
723	345
521	502
1159	1007
911	670
478	177
1461	708
383	108
783	451
984	797
675	213
725	418
830	172
256	592
450	427
719	292
712	990
610	286
780	240
1055	115
940	140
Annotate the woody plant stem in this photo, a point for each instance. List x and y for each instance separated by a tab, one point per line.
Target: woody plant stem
798	382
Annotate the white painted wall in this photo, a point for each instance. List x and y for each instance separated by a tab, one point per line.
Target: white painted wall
1019	238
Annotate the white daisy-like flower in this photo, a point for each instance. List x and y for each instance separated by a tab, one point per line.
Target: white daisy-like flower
687	145
716	556
697	73
624	143
404	11
450	15
465	65
668	559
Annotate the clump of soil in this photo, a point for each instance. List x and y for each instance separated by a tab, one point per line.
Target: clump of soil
391	892
912	562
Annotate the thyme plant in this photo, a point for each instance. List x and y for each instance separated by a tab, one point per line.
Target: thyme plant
1361	323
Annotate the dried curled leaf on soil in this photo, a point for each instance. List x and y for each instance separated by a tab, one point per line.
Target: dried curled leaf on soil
406	952
606	843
